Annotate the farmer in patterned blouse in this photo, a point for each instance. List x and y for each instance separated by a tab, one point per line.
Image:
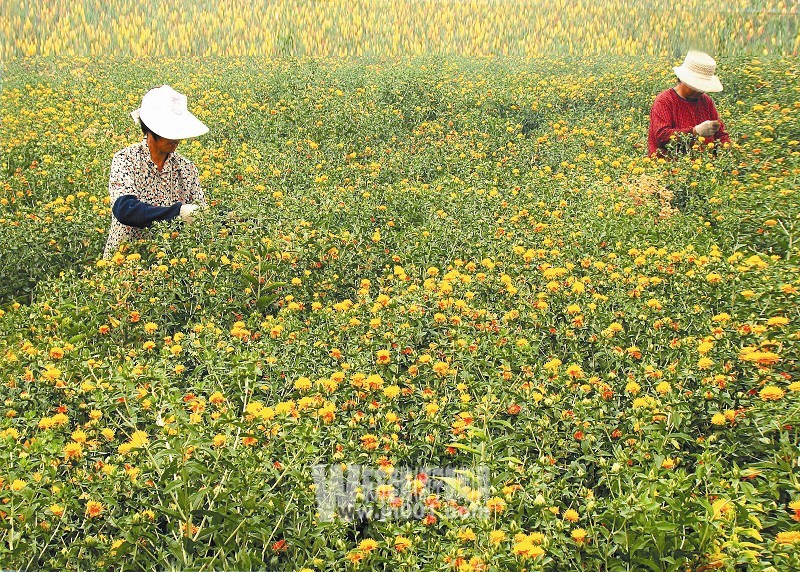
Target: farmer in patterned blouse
149	181
685	108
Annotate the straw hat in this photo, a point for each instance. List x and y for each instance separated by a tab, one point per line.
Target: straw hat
697	71
164	111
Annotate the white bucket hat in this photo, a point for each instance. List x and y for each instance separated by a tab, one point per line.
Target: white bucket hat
165	113
697	71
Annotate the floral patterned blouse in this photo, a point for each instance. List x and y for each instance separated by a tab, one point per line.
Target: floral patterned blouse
133	172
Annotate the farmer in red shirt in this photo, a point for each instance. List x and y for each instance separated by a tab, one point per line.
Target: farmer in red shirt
685	111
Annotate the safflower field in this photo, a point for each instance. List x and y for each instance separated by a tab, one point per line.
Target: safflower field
410	263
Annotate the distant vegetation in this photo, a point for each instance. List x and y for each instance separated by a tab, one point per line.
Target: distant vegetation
391	28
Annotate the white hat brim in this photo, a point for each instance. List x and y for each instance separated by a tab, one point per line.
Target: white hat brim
709	85
170	125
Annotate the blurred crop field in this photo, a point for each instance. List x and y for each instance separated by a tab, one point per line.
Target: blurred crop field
396	28
420	261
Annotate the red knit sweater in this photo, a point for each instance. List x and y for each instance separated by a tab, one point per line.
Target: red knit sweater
671	114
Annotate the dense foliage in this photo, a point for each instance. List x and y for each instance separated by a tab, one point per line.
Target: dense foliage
464	264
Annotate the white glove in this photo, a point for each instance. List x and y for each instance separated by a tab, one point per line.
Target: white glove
707	128
187	212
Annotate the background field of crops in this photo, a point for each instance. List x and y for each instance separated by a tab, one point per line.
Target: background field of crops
391	28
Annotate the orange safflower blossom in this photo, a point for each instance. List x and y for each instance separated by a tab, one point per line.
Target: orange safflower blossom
579	535
762	358
441	368
788	537
369	442
94	509
73	451
526	549
383	357
575	371
496	505
771	393
401	543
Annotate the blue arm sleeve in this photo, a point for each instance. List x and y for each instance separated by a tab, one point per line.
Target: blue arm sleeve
131	211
